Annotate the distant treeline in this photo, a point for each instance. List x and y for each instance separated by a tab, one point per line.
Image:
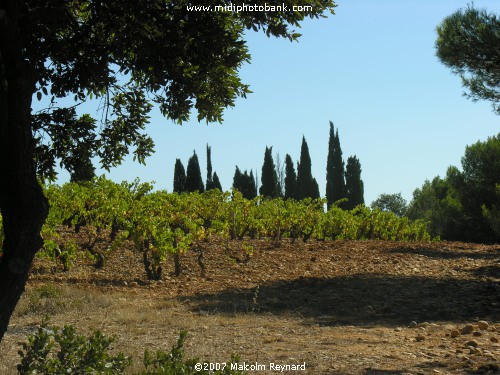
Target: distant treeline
462	206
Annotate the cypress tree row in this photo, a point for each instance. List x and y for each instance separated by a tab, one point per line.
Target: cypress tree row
283	181
269	178
290	179
305	182
194	181
179	177
353	182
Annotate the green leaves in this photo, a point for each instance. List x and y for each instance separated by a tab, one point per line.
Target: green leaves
64	351
468	43
131	56
162	225
56	351
459	206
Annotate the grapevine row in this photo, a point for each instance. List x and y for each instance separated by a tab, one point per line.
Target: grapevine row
162	224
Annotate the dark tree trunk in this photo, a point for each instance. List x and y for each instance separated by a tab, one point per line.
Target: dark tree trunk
22	203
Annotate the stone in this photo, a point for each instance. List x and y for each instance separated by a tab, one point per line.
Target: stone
420	338
483	325
493	339
454	333
476	333
472	343
468	329
413	324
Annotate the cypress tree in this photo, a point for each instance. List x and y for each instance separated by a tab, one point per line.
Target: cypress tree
209	184
252	186
237	183
290	179
305	183
269	178
329	167
315	189
179	177
354	184
248	185
338	182
194	181
215	182
245	183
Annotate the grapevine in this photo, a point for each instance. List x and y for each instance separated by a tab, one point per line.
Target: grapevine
163	225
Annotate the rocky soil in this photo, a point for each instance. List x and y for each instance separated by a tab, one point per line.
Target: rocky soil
341	307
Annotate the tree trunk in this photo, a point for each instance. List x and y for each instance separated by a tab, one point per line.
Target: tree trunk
22	203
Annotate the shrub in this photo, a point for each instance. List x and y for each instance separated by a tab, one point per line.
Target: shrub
55	351
63	351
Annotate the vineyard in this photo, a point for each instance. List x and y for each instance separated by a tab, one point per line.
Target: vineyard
163	225
347	292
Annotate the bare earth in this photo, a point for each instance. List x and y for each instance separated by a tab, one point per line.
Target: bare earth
342	307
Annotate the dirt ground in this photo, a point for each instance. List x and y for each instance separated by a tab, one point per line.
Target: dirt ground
339	307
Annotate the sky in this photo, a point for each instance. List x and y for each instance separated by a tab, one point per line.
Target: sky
371	69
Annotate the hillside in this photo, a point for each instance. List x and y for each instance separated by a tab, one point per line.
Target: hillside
342	307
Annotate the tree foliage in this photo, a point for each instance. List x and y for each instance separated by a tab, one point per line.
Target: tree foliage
216	182
330	167
245	184
437	203
335	174
209	183
290	179
354	183
464	205
179	177
307	187
212	178
269	178
469	44
394	203
194	182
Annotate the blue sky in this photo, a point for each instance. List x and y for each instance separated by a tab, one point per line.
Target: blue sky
372	70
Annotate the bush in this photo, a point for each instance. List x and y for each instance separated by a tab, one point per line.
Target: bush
63	351
55	351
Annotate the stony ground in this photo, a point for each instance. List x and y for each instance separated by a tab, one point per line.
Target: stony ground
340	307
